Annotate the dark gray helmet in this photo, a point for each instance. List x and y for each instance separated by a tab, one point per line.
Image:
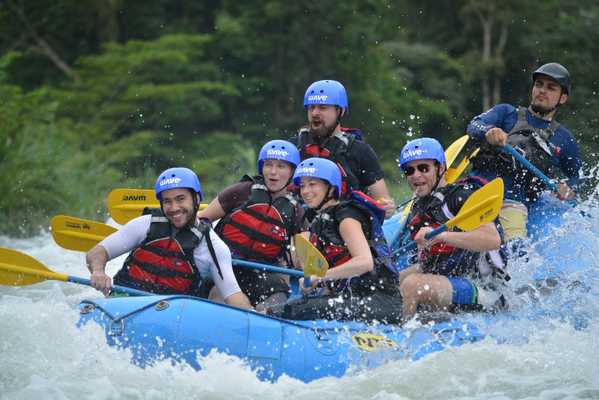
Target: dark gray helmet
557	72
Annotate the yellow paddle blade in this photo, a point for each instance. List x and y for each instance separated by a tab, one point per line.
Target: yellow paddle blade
405	212
481	207
453	174
126	204
19	269
452	151
313	261
78	234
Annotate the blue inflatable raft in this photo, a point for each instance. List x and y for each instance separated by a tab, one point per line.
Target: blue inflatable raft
185	329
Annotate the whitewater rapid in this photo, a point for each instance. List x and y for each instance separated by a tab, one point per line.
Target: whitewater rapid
44	355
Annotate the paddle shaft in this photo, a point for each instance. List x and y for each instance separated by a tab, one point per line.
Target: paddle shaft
510	150
428	236
50	275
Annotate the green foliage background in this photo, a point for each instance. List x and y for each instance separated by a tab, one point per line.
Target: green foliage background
102	94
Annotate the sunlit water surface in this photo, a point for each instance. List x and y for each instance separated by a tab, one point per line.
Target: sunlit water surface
43	355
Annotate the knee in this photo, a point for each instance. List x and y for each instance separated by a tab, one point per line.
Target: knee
414	287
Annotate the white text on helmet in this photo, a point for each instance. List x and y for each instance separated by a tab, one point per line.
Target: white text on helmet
318	97
170	181
307	170
414	153
276	153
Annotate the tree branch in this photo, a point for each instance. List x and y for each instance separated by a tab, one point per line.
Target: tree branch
41	45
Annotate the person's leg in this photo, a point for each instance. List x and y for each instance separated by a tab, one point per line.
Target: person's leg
269	289
425	289
378	306
513	217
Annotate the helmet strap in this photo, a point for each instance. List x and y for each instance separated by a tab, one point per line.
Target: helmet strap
339	114
326	198
438	176
196	208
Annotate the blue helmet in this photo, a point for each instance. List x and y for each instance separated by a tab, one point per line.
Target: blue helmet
421	149
178	178
326	92
278	150
321	168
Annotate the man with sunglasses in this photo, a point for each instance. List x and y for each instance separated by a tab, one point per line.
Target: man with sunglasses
326	103
455	270
534	132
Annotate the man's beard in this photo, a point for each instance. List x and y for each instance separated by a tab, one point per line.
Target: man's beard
542	111
323	131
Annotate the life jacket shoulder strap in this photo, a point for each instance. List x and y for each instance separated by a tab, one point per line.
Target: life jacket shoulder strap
204	227
370	204
523	125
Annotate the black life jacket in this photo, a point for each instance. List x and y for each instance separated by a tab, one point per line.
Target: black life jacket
441	258
324	234
164	263
337	149
260	229
533	144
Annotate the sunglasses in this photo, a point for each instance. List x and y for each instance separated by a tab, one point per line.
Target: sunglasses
424	168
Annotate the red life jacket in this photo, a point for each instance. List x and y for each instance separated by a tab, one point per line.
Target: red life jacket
163	263
433	211
336	148
259	229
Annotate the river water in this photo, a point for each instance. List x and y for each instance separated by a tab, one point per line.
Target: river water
43	355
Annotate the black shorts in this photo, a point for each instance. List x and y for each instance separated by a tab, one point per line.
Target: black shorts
380	306
260	285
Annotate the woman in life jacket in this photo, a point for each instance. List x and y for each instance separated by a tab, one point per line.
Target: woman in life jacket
170	251
455	270
357	285
258	216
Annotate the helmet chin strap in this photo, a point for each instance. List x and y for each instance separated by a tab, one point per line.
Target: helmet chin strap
339	114
438	177
196	208
544	113
326	198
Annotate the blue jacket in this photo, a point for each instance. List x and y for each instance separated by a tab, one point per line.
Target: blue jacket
504	116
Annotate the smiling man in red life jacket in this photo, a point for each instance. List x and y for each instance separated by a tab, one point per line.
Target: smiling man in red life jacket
258	216
455	270
326	103
171	253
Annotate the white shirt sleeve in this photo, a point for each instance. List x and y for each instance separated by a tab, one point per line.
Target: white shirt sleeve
227	285
128	237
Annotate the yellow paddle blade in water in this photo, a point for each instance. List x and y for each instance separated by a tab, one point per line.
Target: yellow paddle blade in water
481	207
19	269
313	261
126	204
78	234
